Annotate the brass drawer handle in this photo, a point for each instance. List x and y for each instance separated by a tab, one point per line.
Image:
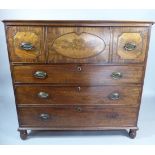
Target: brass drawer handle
114	96
116	75
27	46
43	95
40	74
79	68
79	109
44	116
130	46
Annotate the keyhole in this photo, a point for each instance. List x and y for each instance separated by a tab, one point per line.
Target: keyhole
79	68
79	109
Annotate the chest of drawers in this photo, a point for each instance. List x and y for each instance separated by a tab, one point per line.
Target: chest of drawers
77	75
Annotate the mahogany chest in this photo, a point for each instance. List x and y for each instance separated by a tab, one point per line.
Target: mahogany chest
77	75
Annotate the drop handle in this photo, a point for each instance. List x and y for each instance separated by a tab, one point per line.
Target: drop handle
40	74
26	46
44	116
114	96
116	75
130	46
43	95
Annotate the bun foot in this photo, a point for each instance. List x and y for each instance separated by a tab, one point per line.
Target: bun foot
132	133
23	134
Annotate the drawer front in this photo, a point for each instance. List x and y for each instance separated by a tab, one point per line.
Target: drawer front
78	116
130	45
77	74
25	43
78	44
110	95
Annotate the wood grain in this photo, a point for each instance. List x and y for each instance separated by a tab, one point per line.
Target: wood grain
28	95
91	23
123	35
69	74
26	37
132	38
78	45
17	35
70	116
79	61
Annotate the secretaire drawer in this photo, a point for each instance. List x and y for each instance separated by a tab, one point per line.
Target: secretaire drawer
109	95
77	116
77	74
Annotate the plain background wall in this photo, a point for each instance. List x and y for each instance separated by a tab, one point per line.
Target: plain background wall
6	91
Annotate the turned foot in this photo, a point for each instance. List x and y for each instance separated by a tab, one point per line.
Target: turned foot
132	133
23	134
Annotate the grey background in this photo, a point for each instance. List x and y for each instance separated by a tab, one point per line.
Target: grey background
8	117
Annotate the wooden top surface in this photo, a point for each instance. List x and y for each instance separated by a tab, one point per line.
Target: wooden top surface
78	22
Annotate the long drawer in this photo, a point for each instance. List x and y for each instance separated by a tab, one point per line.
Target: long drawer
77	74
116	95
77	116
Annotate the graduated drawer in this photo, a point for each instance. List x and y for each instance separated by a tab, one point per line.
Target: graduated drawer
116	95
77	116
77	74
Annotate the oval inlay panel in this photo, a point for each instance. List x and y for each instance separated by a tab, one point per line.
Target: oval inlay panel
78	46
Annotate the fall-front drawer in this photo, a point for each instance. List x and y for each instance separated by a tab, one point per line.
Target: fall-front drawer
116	95
77	74
77	116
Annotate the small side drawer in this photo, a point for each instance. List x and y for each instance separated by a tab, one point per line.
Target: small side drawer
25	44
130	44
77	74
103	95
77	116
